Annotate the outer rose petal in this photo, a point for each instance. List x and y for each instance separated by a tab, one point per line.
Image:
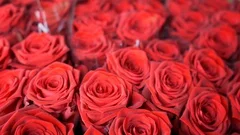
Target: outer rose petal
92	131
4	53
39	50
131	64
33	120
53	87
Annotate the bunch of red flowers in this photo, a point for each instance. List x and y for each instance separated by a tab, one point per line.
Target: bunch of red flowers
119	67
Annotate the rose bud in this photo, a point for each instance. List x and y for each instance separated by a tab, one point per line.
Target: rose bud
32	120
130	64
102	95
139	121
221	38
39	50
206	113
207	64
141	25
161	50
169	86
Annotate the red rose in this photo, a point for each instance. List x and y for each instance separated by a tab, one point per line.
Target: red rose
32	120
90	6
4	53
206	113
130	64
10	17
187	25
212	6
209	65
177	7
90	45
221	38
147	5
160	50
234	98
102	95
141	25
107	20
39	50
92	131
231	18
169	85
50	16
12	83
138	121
53	87
23	3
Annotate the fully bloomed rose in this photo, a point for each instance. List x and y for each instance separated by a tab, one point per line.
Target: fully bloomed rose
169	86
102	95
206	113
160	50
139	25
139	121
90	45
221	37
130	64
4	53
53	87
208	65
12	83
39	50
187	25
32	120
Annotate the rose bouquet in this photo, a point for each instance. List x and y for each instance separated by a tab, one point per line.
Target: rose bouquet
120	67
